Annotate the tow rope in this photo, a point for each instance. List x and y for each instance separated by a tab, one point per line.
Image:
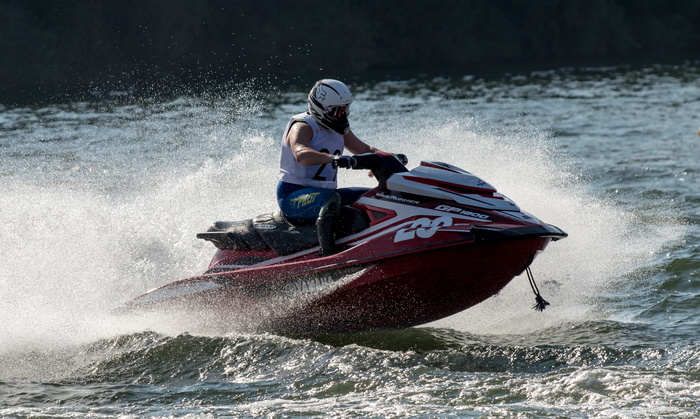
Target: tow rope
540	303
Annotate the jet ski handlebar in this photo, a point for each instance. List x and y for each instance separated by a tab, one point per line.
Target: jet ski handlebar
381	164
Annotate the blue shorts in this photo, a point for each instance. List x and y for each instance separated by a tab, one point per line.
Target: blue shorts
302	203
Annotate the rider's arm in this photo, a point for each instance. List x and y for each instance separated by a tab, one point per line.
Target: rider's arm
299	140
355	145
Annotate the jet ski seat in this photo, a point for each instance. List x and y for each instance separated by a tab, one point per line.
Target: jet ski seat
274	231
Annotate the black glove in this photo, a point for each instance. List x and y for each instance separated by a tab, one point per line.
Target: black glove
346	162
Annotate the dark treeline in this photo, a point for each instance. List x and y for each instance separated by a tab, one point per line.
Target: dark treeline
74	46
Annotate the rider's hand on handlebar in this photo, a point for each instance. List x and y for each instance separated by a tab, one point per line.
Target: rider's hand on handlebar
346	162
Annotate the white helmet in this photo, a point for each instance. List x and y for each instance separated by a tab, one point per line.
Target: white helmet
329	104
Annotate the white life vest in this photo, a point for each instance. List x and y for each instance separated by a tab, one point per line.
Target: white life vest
324	140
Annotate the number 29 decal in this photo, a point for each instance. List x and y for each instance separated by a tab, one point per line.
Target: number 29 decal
423	228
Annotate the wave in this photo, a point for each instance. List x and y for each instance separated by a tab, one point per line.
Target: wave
422	371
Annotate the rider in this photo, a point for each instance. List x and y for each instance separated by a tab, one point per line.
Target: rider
312	151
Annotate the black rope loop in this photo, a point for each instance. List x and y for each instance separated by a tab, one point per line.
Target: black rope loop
540	303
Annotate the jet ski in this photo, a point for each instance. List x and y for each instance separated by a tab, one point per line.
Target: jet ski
422	245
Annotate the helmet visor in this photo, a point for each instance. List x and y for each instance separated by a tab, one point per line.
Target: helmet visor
339	111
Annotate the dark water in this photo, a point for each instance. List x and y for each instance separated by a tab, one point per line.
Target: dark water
100	202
